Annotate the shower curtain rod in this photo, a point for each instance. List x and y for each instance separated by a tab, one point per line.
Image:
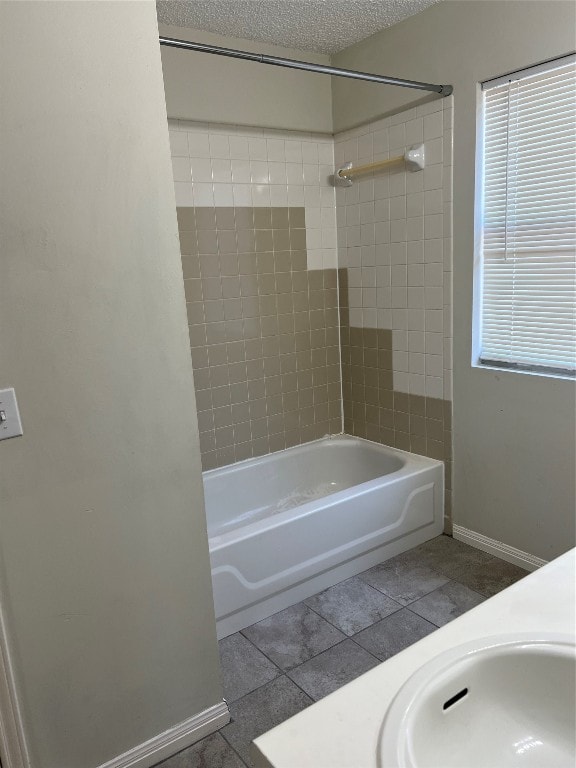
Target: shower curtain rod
443	90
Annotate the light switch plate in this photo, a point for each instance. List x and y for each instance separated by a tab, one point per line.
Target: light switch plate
10	424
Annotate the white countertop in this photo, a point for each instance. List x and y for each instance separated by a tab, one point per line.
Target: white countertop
341	731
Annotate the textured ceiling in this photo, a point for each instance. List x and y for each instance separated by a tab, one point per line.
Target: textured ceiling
325	26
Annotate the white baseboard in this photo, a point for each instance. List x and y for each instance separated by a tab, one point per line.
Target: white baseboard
173	740
498	548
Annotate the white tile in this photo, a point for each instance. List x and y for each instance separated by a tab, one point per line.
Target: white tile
434	387
261	195
398	207
415	275
401	361
416	341
259	172
417	363
398	275
276	149
384	318
223	195
434	251
327	195
434	365
355	277
295	173
293	151
240	171
315	259
399	339
239	147
434	151
448	388
447	353
381	187
309	152
203	194
401	381
365	148
257	149
366	190
415	298
397	184
434	274
380	141
326	153
415	131
415	252
415	204
219	146
383	276
397	137
434	320
221	171
201	169
178	144
382	210
366	212
295	195
181	169
433	226
415	319
367	234
399	319
311	174
432	176
242	194
434	343
278	195
433	126
433	201
417	384
330	258
198	144
398	231
328	217
369	318
355	312
355	297
399	298
414	182
382	232
313	238
329	237
368	255
434	297
312	196
415	228
398	253
313	217
381	253
277	173
184	194
384	298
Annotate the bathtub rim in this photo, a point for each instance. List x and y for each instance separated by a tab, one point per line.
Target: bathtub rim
413	464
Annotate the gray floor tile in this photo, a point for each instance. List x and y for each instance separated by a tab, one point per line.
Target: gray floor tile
211	752
391	635
491	577
446	555
293	636
244	668
403	581
446	603
261	710
332	669
352	605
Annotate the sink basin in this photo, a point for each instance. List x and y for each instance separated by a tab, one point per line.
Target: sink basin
492	703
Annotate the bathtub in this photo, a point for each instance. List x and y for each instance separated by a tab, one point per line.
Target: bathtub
287	525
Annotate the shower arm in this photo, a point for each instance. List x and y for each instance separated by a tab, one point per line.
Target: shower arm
306	66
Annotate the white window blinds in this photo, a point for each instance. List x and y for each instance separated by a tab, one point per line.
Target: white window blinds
528	220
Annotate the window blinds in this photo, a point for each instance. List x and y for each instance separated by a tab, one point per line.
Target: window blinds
528	238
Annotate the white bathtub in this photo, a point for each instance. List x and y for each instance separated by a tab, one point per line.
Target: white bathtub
287	525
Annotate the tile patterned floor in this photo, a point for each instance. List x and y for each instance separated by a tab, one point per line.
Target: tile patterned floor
281	665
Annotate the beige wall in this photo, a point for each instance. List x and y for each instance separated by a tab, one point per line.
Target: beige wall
514	434
223	90
105	578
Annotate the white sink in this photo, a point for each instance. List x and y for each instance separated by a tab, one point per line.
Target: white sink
497	702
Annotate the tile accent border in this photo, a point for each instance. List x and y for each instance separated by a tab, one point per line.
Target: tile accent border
168	743
498	549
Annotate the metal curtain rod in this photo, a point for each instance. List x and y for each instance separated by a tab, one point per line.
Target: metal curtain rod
443	90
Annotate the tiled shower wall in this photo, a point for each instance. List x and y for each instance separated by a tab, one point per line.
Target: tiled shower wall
257	223
395	276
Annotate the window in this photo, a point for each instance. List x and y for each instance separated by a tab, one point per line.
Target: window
526	283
